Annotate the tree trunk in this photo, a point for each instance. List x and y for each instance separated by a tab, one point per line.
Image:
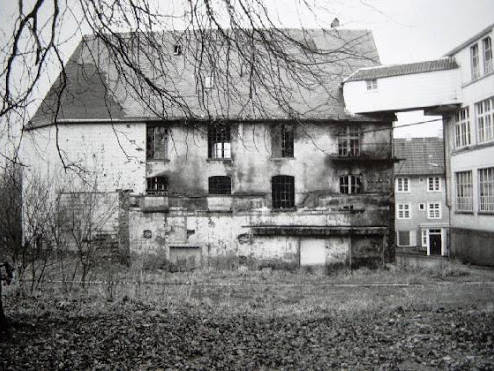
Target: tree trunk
4	325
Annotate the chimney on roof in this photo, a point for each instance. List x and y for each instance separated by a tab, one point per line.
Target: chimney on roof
335	23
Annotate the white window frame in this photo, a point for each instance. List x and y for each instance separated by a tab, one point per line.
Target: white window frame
464	191
433	210
404	209
398	238
435	182
402	184
487	54
484	115
421	206
475	61
425	237
486	190
462	134
371	84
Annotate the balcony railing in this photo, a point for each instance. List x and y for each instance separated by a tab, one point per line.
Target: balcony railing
363	152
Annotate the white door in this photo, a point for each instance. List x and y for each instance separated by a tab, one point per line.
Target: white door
312	251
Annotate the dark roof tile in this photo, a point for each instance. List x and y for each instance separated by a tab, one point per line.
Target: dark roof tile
419	156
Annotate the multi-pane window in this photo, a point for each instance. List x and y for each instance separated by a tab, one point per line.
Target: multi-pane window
433	183
402	184
404	238
487	46
157	143
350	184
464	199
424	237
486	189
462	128
157	185
485	120
219	142
403	211
474	60
283	192
282	138
220	185
371	84
434	210
349	142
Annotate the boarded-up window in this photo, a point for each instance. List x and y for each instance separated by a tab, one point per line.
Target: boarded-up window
282	139
220	185
403	238
219	141
283	192
157	143
157	184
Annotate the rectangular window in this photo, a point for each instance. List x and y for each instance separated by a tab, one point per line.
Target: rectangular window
486	189
157	143
157	185
485	120
462	128
404	238
403	211
402	184
421	206
349	142
350	184
219	142
283	192
434	210
464	188
474	59
220	185
371	84
424	237
433	184
487	46
282	139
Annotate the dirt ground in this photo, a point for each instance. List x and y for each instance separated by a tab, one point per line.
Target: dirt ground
259	320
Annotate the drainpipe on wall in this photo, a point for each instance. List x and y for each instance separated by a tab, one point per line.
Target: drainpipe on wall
446	188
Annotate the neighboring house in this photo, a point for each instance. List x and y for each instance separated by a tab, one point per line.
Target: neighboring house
313	188
460	88
422	216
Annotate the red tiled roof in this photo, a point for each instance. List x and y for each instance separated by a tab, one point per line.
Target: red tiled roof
402	69
96	90
419	156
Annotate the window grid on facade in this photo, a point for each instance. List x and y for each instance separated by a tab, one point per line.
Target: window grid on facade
434	210
350	184
474	59
220	185
462	128
402	184
157	143
349	142
487	46
433	183
283	192
371	84
464	199
157	185
219	145
403	211
486	189
485	120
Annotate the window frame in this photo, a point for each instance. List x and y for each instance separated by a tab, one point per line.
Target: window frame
219	142
434	210
152	132
403	183
484	117
474	61
463	186
406	209
220	184
487	54
462	131
436	184
486	186
159	182
371	84
283	198
349	141
398	239
352	183
283	140
424	237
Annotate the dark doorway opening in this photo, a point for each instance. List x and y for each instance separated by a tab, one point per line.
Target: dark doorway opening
435	241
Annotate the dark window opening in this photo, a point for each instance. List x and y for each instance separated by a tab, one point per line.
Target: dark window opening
157	143
157	185
349	142
283	188
350	184
177	49
282	138
219	142
220	185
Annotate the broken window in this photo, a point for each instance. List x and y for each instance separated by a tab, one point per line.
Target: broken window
282	138
157	185
157	143
220	185
349	141
219	142
283	188
350	184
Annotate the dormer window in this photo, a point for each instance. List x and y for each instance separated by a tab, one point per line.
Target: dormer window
371	84
474	59
177	49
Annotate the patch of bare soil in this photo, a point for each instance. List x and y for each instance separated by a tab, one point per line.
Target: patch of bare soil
133	335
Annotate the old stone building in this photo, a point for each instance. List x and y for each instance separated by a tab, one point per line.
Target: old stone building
244	179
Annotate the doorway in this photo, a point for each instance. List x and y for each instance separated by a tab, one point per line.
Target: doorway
435	242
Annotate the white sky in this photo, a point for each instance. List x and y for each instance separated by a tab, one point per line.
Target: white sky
404	30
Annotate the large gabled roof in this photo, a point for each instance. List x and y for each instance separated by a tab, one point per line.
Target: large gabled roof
98	91
419	156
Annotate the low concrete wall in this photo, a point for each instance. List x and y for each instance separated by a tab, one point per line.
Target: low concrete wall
472	246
